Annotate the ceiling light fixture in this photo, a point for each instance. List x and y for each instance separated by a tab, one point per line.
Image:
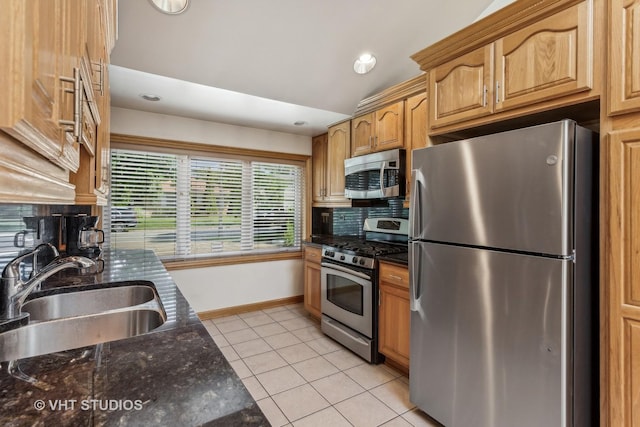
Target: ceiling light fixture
150	97
170	7
364	63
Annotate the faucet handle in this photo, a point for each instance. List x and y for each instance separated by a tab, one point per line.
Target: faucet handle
12	269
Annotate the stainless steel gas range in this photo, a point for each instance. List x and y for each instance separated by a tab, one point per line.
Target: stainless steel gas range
349	281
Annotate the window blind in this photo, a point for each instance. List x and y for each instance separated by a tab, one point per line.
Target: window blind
185	206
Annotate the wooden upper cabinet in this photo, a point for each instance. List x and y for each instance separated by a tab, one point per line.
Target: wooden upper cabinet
338	149
548	59
362	134
415	131
328	154
624	56
543	61
389	129
461	89
31	80
380	130
318	162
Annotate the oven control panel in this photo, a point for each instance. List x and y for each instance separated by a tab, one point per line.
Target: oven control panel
348	259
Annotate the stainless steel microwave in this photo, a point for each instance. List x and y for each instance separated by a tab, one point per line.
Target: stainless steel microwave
375	176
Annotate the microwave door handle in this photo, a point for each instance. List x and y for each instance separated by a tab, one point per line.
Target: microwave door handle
382	168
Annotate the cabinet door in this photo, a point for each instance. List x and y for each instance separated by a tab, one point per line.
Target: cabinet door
461	89
394	328
103	144
622	275
546	60
415	133
389	130
319	164
312	281
624	56
338	149
29	79
362	129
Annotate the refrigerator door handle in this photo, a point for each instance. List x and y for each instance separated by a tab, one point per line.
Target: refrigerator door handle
414	276
415	226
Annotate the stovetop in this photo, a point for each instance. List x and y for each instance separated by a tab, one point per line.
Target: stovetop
356	251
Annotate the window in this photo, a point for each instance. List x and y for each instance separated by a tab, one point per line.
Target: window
186	206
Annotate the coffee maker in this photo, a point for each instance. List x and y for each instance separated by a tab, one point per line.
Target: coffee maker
80	235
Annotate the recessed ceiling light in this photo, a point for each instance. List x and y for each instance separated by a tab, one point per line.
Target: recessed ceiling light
364	63
150	97
300	123
171	7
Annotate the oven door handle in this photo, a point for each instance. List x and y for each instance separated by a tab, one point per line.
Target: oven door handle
345	270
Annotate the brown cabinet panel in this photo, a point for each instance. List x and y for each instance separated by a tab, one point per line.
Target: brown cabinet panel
461	89
389	127
30	79
312	280
415	132
624	56
394	313
327	157
380	130
621	279
546	60
394	323
319	161
338	149
362	134
631	373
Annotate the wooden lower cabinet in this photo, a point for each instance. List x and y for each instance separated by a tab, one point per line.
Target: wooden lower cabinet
312	280
394	314
622	276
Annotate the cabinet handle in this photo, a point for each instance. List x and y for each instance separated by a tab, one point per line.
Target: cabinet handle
99	68
497	92
484	96
76	123
393	276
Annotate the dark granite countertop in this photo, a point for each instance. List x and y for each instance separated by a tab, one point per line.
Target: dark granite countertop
401	258
175	375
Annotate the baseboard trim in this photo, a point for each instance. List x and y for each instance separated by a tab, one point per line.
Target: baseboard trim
213	314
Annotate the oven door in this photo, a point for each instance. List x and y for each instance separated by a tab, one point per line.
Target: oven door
347	296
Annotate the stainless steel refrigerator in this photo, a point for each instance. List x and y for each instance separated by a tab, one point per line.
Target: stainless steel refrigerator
504	277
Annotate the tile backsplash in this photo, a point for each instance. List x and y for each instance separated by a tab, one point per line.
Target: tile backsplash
349	221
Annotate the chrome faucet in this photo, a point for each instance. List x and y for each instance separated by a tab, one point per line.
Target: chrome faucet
14	291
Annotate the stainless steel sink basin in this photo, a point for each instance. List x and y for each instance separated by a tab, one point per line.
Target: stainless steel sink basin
73	332
87	302
73	319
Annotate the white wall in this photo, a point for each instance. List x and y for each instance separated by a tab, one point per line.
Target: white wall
213	288
141	123
494	6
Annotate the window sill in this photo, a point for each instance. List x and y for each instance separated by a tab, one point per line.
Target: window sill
231	260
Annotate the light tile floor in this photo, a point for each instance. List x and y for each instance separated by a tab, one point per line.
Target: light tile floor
300	377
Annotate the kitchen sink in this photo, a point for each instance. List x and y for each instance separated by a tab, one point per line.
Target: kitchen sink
79	318
87	302
63	334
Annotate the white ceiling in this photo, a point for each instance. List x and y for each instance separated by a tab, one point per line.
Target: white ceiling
267	64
